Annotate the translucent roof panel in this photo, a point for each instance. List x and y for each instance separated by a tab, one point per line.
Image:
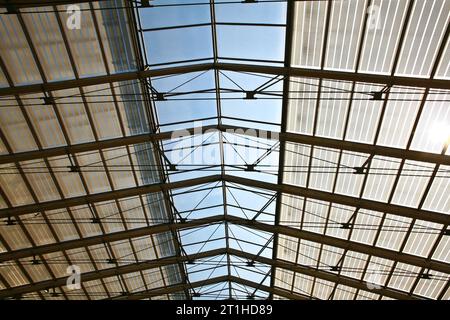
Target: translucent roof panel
234	149
425	31
346	25
308	34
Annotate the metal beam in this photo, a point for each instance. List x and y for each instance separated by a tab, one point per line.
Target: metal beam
105	196
110	237
170	289
285	137
290	18
96	80
104	273
130	268
344	244
264	69
173	260
173	289
344	200
278	291
289	189
337	75
328	276
101	144
366	148
292	232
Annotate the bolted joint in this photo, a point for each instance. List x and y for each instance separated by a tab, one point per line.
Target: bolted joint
377	96
426	276
346	226
335	268
11	222
250	95
48	101
146	4
74	168
160	96
95	220
250	263
250	167
359	170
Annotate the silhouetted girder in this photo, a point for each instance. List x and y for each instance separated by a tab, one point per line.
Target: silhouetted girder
263	69
104	273
173	289
278	291
140	266
170	289
286	137
328	276
344	200
289	189
109	237
101	144
344	244
288	231
105	196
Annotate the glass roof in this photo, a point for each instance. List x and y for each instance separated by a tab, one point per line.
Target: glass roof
210	149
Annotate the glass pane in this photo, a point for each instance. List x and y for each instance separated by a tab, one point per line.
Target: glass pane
259	12
159	17
244	42
178	44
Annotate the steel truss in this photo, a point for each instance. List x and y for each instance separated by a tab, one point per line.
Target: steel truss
287	71
283	188
271	70
276	229
141	266
289	137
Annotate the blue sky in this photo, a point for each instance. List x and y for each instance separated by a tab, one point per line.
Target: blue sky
196	43
247	42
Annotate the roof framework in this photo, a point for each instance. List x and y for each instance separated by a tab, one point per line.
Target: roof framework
337	190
